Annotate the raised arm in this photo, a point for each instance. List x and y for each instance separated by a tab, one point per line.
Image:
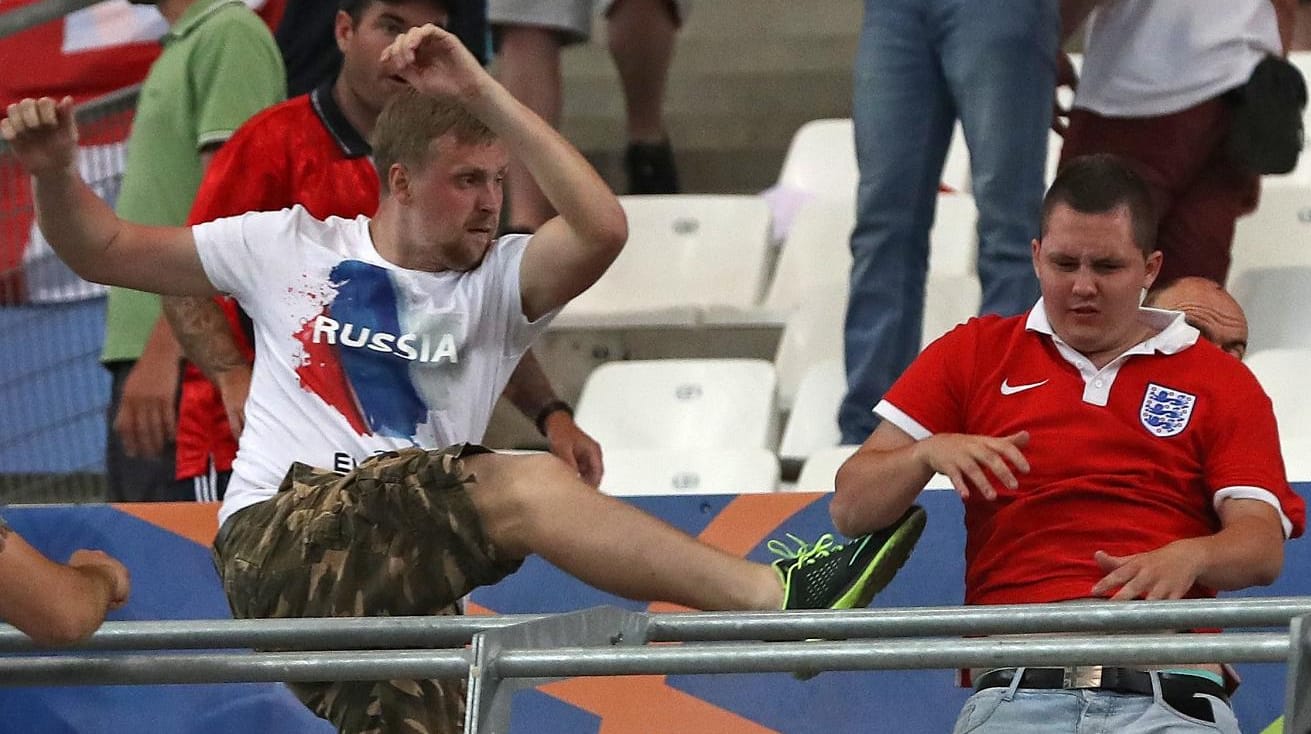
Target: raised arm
569	252
81	228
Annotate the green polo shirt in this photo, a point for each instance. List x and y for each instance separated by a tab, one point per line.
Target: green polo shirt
219	67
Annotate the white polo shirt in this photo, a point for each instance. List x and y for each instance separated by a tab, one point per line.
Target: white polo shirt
1145	58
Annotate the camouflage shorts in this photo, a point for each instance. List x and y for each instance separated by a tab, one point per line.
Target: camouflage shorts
397	536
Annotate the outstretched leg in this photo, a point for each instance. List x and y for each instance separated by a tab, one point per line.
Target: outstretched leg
536	504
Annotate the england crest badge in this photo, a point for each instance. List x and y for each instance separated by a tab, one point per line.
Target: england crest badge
1165	412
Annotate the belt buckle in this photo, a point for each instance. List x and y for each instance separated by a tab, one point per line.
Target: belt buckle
1082	676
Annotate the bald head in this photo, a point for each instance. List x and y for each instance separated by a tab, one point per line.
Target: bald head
1208	308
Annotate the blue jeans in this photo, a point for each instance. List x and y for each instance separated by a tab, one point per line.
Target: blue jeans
920	65
1016	711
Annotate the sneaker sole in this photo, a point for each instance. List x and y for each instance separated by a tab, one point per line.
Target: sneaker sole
880	571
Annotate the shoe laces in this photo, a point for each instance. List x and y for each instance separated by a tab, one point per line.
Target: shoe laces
804	553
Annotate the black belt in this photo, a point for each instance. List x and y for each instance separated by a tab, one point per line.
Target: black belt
1180	691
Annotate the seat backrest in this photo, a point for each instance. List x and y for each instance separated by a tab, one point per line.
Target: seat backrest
1297	458
956	166
813	423
680	404
821	467
630	472
821	159
948	300
685	250
1277	234
1277	301
1283	375
817	251
815	255
812	334
953	240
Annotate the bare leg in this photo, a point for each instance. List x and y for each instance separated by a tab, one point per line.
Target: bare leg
641	38
536	504
529	67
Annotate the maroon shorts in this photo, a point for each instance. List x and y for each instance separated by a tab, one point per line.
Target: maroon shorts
1198	189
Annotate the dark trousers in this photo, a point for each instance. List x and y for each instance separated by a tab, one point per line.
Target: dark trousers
134	479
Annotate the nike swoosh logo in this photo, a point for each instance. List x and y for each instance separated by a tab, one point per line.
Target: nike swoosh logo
1012	389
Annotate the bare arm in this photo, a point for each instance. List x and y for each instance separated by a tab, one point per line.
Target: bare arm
1248	551
568	253
882	479
205	335
207	340
55	603
530	391
81	227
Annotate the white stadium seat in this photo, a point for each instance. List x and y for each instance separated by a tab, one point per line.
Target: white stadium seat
813	423
680	404
948	301
685	253
632	472
1277	301
812	334
1283	375
1276	234
821	160
821	467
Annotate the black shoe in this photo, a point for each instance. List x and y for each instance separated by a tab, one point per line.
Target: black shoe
650	168
830	576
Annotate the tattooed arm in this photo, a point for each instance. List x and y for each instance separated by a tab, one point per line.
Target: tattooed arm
207	340
55	603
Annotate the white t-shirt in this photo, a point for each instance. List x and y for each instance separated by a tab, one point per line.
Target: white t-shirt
1145	58
355	355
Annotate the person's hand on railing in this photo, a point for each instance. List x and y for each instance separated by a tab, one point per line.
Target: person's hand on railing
42	133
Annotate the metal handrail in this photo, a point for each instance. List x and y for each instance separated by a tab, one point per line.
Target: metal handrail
740	657
432	632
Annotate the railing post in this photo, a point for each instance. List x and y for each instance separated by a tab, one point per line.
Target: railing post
488	710
1297	704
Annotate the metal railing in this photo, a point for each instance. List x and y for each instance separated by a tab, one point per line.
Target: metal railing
508	653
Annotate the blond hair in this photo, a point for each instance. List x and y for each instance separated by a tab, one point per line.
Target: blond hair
409	123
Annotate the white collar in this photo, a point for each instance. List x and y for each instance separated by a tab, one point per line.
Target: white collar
1172	333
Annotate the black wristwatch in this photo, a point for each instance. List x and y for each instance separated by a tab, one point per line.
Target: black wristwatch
547	410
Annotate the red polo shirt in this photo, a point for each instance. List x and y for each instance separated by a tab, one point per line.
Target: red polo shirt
1124	459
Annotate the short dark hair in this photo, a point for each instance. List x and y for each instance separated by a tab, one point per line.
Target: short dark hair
410	121
1100	183
355	8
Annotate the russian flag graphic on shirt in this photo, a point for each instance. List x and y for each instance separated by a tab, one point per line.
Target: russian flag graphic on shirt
375	356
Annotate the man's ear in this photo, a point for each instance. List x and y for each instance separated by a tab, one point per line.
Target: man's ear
1153	268
343	27
1035	247
398	182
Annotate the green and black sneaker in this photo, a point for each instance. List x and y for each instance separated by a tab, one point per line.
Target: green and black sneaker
828	575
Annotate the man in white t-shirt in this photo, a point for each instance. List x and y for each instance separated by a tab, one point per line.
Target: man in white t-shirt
380	342
1157	77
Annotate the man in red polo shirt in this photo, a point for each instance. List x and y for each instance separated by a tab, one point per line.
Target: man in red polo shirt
1102	450
312	150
